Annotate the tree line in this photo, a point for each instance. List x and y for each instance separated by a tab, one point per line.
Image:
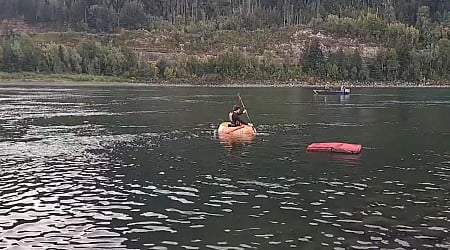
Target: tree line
19	54
414	35
107	14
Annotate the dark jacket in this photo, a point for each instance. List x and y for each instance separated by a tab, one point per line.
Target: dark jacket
236	119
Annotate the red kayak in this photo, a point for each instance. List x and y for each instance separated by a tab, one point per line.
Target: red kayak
338	147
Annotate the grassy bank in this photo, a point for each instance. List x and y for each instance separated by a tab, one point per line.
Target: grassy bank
24	77
31	77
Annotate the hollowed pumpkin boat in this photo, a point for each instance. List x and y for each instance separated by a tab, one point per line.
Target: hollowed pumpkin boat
237	133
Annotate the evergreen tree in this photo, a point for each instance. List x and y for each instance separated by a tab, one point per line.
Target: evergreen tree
132	15
101	18
392	65
313	61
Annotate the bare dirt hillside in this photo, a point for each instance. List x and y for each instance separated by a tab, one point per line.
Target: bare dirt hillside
285	45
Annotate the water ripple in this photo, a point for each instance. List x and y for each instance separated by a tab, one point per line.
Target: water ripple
88	168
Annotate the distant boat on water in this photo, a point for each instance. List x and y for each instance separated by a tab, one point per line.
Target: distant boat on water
326	91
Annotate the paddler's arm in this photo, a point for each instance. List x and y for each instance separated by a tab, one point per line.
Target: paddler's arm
242	112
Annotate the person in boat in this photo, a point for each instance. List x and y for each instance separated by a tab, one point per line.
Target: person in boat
235	118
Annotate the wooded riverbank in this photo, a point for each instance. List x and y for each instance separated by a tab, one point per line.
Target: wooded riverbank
83	79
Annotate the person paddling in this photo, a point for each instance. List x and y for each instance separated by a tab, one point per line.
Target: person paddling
235	118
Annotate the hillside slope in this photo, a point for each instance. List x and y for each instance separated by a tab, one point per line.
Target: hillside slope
285	44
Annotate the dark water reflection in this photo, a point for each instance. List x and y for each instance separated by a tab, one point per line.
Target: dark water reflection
141	167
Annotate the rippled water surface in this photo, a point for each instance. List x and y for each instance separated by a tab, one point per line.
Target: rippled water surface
139	167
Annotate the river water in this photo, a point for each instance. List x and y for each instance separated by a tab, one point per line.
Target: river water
141	167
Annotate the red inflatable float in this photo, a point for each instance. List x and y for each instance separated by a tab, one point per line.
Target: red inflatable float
337	147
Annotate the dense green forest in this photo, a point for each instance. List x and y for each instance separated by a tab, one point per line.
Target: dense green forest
412	37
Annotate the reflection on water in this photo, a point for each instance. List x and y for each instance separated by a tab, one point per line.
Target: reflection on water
136	167
341	158
332	98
